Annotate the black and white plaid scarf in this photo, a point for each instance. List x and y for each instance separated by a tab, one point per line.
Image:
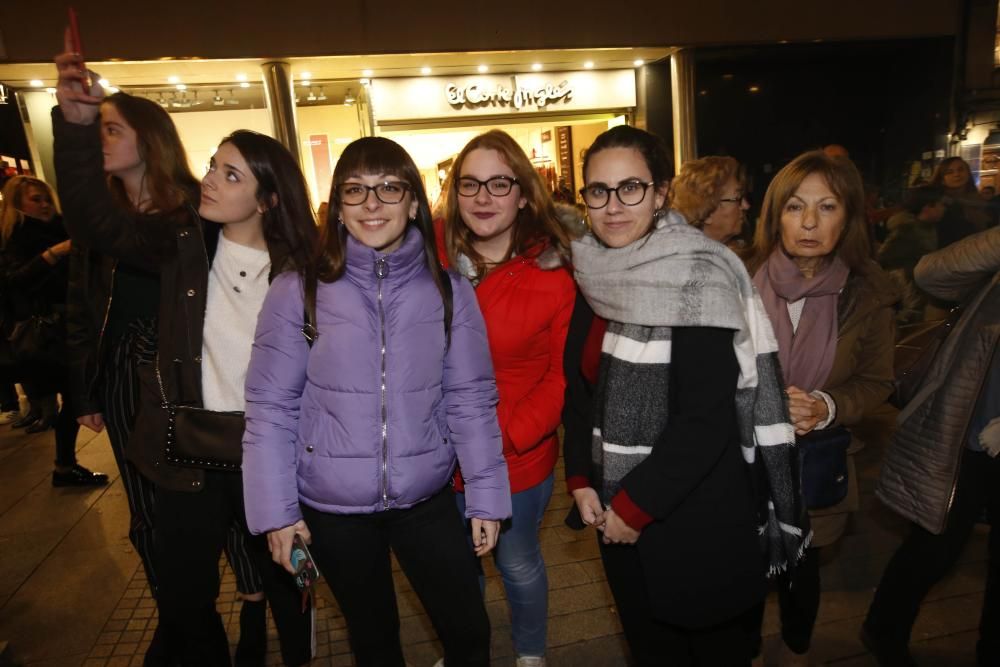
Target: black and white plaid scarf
677	277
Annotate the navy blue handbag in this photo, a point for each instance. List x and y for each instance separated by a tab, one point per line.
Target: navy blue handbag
823	461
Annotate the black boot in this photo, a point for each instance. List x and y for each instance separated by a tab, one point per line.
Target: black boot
251	651
78	476
26	420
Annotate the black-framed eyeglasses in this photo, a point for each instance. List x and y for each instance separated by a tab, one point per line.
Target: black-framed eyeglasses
355	194
498	186
629	193
739	198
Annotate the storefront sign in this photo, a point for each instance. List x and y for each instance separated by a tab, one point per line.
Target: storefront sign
433	98
515	94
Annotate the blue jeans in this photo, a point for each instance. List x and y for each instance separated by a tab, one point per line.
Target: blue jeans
518	556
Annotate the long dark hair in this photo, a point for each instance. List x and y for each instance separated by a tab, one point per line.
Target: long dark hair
168	178
536	222
289	229
378	155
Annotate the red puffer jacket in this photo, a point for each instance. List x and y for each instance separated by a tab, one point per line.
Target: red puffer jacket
527	303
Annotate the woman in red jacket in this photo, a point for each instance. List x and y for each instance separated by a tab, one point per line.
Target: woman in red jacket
501	230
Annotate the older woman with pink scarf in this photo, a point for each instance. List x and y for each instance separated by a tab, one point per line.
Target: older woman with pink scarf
831	308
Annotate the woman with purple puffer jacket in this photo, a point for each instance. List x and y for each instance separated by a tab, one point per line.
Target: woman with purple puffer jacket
351	443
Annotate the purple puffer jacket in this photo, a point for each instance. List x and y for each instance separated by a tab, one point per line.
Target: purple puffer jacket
315	416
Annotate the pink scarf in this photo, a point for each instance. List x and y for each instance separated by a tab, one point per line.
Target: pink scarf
806	354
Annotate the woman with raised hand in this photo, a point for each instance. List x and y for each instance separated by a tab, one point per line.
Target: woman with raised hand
502	231
678	443
181	300
351	443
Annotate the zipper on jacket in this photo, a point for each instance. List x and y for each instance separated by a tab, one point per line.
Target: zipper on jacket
965	431
104	326
381	271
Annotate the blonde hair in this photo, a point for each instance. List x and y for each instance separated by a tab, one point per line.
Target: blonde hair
14	192
843	179
697	189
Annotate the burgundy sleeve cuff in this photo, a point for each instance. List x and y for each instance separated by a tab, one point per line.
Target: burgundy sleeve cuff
576	482
630	513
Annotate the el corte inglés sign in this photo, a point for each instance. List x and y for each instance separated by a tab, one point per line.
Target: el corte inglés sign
402	100
515	95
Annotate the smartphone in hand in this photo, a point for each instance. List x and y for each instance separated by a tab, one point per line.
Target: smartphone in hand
76	44
304	567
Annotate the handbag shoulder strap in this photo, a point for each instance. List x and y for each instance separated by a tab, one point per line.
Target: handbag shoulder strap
159	380
309	330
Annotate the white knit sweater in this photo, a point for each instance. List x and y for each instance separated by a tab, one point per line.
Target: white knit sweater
237	285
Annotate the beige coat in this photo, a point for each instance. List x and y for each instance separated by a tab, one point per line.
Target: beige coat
861	379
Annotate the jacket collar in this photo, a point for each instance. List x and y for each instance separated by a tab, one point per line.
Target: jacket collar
399	265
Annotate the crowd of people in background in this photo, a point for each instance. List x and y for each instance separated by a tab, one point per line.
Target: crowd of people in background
393	380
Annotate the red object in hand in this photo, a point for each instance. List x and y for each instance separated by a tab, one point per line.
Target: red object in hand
77	45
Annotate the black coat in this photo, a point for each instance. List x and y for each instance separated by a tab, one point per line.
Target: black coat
175	243
701	556
33	286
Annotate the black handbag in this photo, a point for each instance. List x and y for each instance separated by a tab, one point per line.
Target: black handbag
38	339
823	461
200	438
211	440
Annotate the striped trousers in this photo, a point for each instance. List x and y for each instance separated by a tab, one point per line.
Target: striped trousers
119	395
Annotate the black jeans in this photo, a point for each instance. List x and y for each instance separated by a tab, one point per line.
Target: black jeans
190	531
352	551
924	558
654	643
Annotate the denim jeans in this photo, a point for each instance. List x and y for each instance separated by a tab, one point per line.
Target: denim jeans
518	556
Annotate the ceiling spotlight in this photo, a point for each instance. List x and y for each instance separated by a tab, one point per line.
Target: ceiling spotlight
181	86
588	65
483	69
244	84
217	100
754	89
241	77
305	76
322	95
425	70
349	99
36	83
367	73
537	67
638	62
173	79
